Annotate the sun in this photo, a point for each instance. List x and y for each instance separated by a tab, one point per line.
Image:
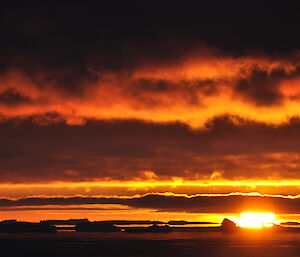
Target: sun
256	220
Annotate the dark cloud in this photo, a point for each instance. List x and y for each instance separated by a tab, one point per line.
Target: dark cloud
11	97
218	204
139	74
116	35
158	92
122	149
262	86
85	60
202	204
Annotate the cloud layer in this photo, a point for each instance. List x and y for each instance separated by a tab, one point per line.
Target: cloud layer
137	92
192	88
181	67
232	203
229	148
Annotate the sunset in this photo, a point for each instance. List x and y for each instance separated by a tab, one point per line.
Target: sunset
150	128
256	220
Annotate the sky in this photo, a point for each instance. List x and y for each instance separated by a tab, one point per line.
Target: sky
149	109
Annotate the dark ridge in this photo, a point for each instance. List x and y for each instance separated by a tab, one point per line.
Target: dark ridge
13	226
183	222
290	223
64	222
228	226
96	226
152	229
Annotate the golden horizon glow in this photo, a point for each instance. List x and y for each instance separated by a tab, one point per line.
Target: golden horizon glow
256	220
177	186
176	181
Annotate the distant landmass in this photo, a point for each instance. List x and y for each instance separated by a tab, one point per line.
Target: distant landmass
290	223
129	226
126	222
13	226
153	229
228	226
183	222
96	226
133	222
64	222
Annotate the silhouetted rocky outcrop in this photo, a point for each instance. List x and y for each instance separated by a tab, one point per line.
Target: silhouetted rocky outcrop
290	223
153	229
132	222
8	221
177	222
228	226
24	227
96	227
64	222
183	222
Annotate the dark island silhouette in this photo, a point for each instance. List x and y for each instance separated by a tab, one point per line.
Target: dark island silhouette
183	222
290	223
153	228
13	226
228	226
64	222
130	226
110	226
97	226
133	222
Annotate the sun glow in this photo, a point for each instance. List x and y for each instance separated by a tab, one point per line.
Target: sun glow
256	220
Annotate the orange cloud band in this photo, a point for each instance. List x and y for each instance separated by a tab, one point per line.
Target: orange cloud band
193	90
177	187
